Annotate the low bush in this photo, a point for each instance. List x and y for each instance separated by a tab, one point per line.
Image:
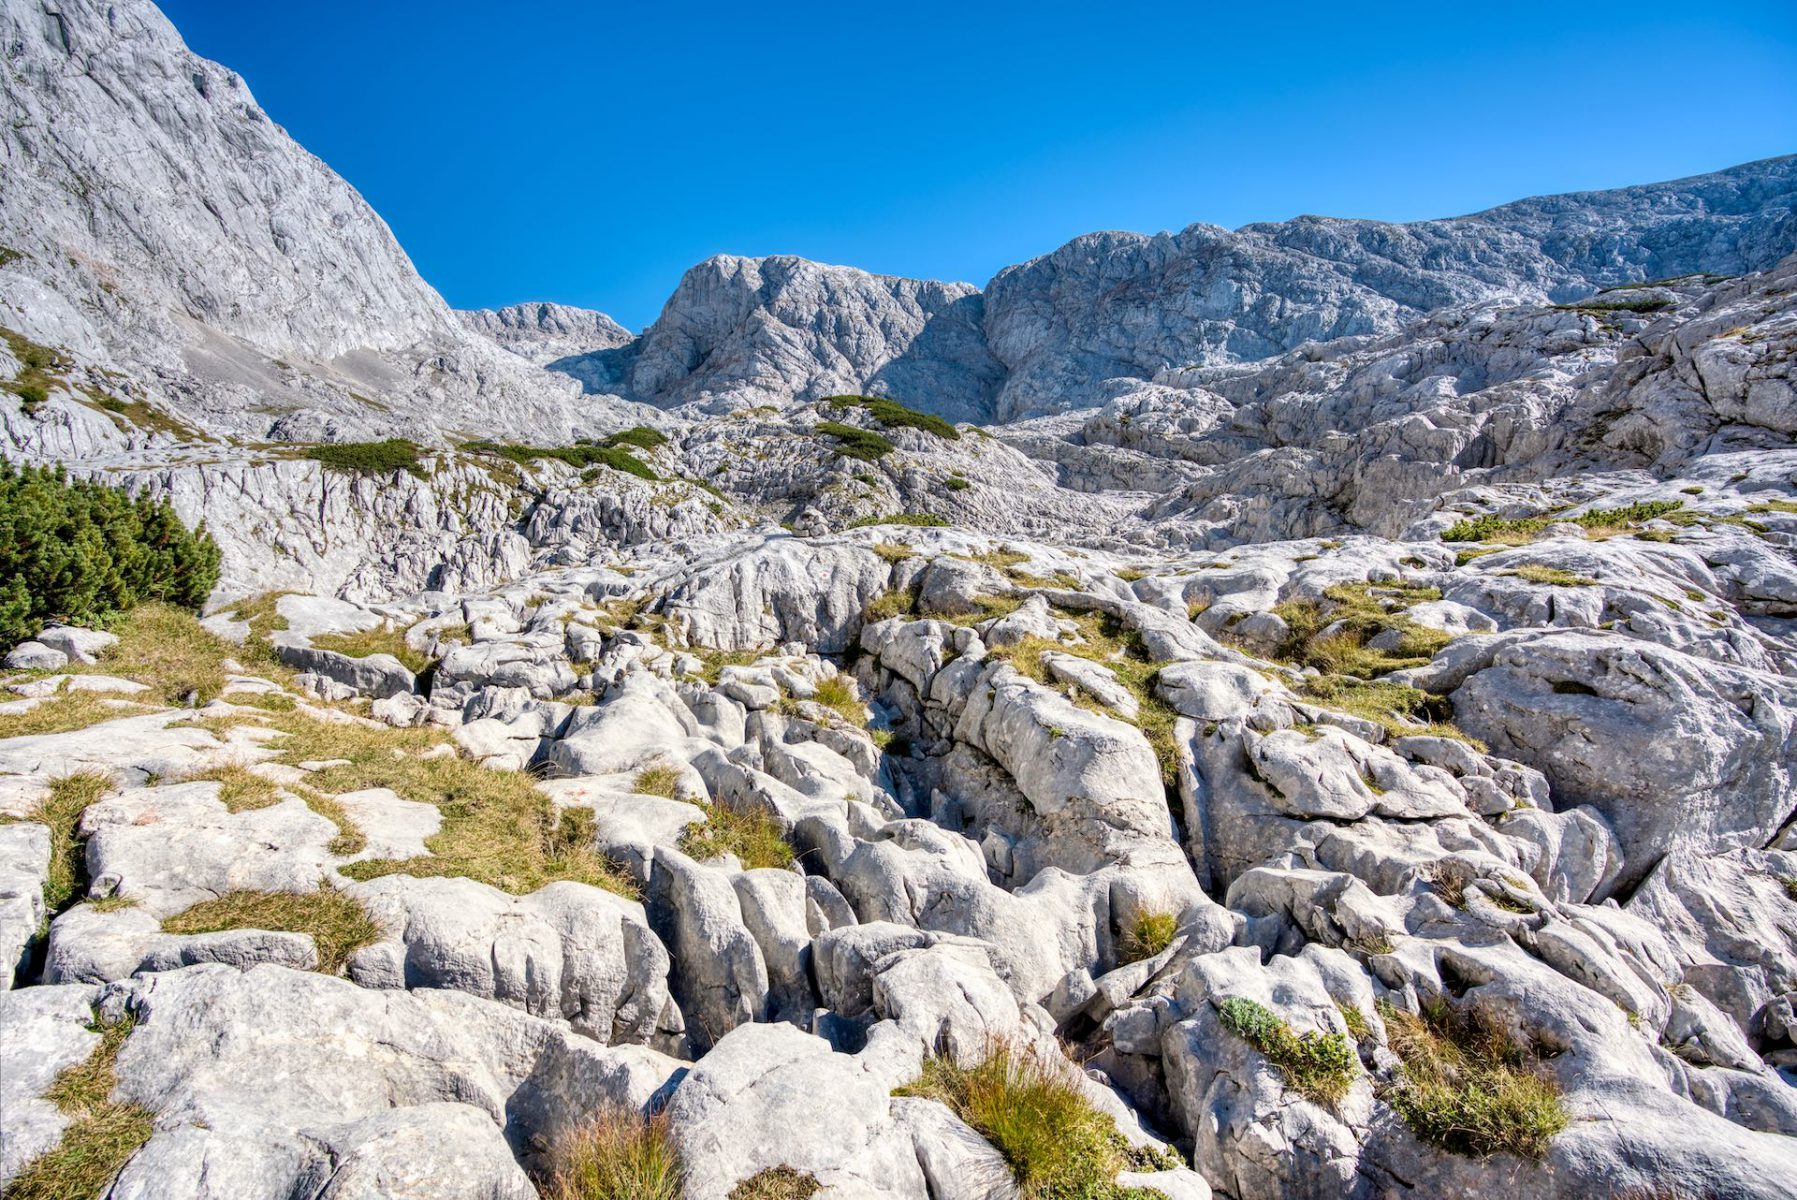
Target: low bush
1467	1087
616	1154
1321	1066
78	551
1058	1144
368	458
615	458
640	436
102	1133
338	925
855	442
893	415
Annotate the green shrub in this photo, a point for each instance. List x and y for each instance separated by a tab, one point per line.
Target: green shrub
616	1154
1059	1146
613	457
82	552
368	458
1467	1087
858	443
1321	1066
640	436
956	483
893	415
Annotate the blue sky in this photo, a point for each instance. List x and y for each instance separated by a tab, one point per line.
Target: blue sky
590	153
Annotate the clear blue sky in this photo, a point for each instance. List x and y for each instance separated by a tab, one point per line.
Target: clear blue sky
589	153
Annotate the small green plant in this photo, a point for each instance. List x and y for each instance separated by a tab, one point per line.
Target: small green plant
1321	1066
855	442
616	1154
777	1183
1790	886
753	835
1058	1145
1401	710
898	602
82	552
956	483
1467	1087
338	925
1359	1028
369	458
1151	933
893	415
1605	302
102	1133
1521	530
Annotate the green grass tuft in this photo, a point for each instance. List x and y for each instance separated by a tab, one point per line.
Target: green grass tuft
615	1154
60	811
1321	1066
754	836
1467	1087
1059	1146
1551	576
893	415
338	925
657	780
1152	933
383	639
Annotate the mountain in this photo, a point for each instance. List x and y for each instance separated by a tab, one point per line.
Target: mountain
544	332
1045	336
156	222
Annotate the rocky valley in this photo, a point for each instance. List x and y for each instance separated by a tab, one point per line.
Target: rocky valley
1300	711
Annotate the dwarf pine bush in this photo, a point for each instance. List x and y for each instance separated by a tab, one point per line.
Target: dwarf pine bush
79	551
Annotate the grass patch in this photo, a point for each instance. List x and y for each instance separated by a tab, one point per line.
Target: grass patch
776	1183
498	826
65	713
713	662
102	1135
854	442
1551	576
658	780
919	520
898	602
838	694
892	415
1467	1087
616	1154
338	925
239	788
1149	935
168	649
1401	710
60	810
892	552
1319	1066
1332	634
1604	303
382	640
368	458
1517	531
755	836
1059	1146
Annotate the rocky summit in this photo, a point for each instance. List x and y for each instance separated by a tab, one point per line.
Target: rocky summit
1300	711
